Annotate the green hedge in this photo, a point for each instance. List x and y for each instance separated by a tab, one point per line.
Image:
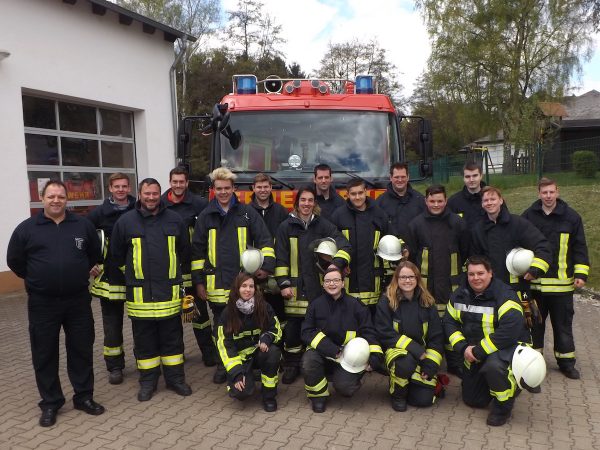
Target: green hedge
585	163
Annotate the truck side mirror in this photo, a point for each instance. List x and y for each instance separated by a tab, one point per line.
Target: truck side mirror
425	140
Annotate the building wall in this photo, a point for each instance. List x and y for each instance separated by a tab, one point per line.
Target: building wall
69	53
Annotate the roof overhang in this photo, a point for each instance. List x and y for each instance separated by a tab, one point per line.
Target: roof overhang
126	17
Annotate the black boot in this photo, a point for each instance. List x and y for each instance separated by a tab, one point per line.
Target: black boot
500	412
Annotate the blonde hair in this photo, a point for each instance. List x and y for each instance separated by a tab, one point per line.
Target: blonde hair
224	174
391	292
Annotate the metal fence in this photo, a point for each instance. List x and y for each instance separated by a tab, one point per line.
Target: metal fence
550	159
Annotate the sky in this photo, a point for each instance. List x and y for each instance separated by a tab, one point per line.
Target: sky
309	25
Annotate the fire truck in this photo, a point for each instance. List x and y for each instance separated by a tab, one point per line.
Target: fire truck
285	127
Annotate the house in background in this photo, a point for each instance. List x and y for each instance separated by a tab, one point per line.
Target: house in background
87	89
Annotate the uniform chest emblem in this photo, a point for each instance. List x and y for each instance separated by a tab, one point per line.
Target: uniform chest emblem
79	242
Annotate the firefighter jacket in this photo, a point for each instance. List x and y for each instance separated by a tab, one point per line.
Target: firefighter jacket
363	229
189	208
296	267
411	329
236	349
439	245
330	324
154	252
273	214
496	239
220	239
401	210
328	206
54	259
110	283
467	205
492	321
564	230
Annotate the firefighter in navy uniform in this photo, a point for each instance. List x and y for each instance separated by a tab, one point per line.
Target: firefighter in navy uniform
439	245
247	332
484	321
400	201
109	285
499	232
409	329
55	252
569	268
327	197
273	214
151	245
223	231
362	223
332	320
467	202
179	199
296	272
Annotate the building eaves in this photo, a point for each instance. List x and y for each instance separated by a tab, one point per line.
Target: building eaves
127	17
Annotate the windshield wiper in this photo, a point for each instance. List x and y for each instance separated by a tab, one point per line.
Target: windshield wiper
277	180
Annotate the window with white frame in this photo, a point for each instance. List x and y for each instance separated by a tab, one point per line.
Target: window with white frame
79	144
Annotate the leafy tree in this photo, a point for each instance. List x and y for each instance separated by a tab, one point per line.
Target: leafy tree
253	31
347	59
496	54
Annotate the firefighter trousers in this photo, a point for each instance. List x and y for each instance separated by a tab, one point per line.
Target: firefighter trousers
407	382
159	342
202	330
292	341
317	369
46	317
268	364
217	309
112	323
490	379
560	309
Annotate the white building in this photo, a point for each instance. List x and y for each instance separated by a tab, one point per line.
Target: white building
85	91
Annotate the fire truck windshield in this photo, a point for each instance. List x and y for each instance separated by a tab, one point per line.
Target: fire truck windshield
290	143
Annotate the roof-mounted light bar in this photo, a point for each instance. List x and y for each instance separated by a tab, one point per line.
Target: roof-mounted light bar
244	84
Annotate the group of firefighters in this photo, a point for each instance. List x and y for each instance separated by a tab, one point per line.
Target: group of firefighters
331	290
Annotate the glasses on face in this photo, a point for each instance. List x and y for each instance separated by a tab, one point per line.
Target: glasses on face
332	281
407	277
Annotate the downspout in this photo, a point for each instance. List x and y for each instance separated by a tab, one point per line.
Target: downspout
173	79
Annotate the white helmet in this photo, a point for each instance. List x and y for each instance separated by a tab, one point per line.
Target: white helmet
355	355
389	248
518	261
528	367
327	247
252	260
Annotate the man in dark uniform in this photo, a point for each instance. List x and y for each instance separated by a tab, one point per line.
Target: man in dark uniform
111	292
55	252
400	201
189	206
467	202
569	269
327	197
439	245
151	244
223	231
484	322
273	214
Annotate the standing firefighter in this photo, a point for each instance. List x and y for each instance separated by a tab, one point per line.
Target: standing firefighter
55	252
485	323
363	223
151	244
569	269
109	285
467	202
224	230
297	274
180	200
439	245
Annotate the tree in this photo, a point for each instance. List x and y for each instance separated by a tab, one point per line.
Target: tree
253	31
196	18
346	60
496	54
